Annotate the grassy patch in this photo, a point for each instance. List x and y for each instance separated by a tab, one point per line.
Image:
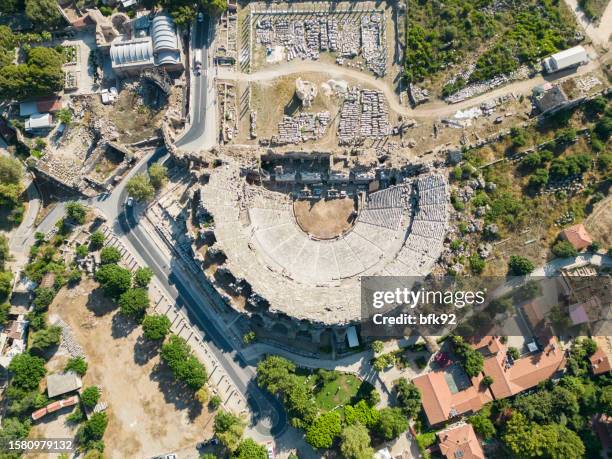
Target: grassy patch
340	391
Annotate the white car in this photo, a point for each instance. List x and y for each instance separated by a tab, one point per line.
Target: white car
129	202
197	69
200	17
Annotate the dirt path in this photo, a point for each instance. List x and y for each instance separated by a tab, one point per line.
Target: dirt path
599	34
430	110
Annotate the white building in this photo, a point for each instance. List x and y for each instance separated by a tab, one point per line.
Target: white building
39	122
151	44
572	57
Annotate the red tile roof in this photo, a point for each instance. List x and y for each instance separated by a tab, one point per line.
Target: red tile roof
49	104
578	236
601	359
438	400
460	441
525	372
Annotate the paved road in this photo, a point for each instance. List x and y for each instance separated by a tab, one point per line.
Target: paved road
202	114
269	417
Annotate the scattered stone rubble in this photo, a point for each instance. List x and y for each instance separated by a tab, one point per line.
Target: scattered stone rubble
307	38
364	114
301	128
483	86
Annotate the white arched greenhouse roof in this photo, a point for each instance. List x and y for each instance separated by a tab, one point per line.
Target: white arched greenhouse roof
131	53
163	33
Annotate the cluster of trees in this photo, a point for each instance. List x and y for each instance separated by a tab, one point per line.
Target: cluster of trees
142	187
229	429
6	276
40	75
362	420
185	366
439	34
184	11
43	14
472	361
11	188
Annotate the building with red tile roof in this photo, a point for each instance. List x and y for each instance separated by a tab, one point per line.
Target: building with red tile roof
441	403
513	376
459	441
602	358
578	236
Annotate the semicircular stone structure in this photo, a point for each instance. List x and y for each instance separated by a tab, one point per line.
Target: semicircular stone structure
399	231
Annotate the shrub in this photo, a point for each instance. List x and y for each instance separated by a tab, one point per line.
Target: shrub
78	365
324	430
46	338
90	396
564	249
215	402
520	266
96	239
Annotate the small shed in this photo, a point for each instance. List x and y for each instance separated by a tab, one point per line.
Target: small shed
63	383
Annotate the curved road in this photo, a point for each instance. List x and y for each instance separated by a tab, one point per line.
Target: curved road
180	285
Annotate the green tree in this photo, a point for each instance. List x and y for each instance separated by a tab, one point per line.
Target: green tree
13	429
520	266
564	249
249	449
539	179
9	6
140	188
110	255
603	128
177	354
114	279
96	239
392	423
64	115
4	251
43	297
27	371
155	327
482	423
409	397
43	13
361	413
77	364
82	251
6	283
76	212
11	171
45	338
323	431
90	396
229	429
355	442
93	430
514	353
158	174
143	276
518	137
134	303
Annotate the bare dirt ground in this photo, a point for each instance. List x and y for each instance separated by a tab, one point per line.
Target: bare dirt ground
148	413
600	222
324	219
